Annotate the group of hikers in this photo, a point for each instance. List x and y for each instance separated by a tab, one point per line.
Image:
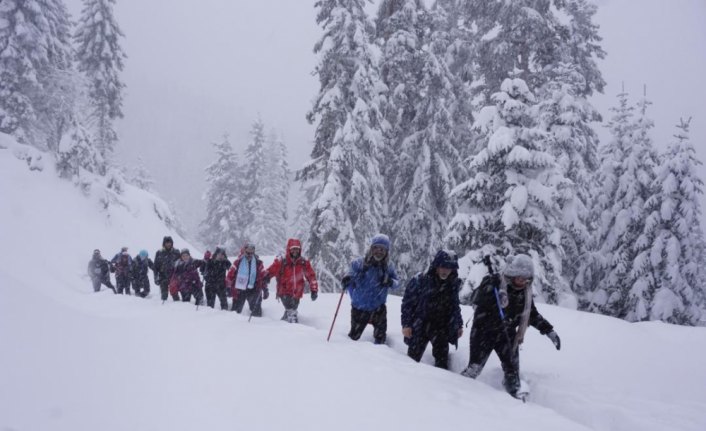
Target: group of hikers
430	312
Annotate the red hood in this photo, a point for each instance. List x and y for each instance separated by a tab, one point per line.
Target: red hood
293	242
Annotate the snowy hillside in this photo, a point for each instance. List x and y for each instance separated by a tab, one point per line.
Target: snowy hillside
76	360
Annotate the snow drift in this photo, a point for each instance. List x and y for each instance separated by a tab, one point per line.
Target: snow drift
76	360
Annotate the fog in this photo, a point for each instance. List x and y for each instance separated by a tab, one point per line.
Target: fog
196	70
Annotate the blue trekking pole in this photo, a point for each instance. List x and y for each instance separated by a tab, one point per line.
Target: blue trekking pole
489	264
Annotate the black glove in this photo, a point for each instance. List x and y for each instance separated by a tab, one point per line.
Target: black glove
314	295
387	281
345	281
555	339
265	293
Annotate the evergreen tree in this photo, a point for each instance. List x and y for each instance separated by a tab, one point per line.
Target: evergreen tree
101	58
348	147
510	204
222	223
625	178
251	193
34	50
530	36
669	268
566	116
141	176
275	192
424	140
77	154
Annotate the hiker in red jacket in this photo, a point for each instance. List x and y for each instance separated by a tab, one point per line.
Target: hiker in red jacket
246	279
292	272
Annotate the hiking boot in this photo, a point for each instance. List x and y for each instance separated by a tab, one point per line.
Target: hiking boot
511	382
472	371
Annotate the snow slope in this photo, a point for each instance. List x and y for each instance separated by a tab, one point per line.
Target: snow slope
76	360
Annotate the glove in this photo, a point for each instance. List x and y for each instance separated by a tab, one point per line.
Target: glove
387	281
555	339
504	300
266	280
345	281
314	295
265	293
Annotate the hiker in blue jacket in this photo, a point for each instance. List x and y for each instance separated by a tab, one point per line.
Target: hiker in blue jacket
368	282
431	310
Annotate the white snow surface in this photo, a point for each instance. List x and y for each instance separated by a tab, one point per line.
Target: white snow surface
73	359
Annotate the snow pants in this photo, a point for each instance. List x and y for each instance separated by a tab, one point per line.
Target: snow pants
486	340
291	306
254	298
141	286
361	318
439	338
104	281
123	283
164	289
216	290
195	291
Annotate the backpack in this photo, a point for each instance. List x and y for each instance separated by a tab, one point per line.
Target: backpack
487	285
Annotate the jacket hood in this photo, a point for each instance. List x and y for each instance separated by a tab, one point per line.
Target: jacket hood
220	250
293	242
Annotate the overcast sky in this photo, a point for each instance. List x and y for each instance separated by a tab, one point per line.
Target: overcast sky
198	69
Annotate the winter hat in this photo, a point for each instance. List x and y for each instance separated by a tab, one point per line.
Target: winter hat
143	254
249	244
96	252
519	266
445	259
166	240
185	251
381	240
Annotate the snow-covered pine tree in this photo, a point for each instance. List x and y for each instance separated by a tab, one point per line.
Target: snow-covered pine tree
530	35
427	162
100	58
348	154
140	176
669	268
510	203
34	51
566	116
221	227
77	156
251	194
625	179
275	194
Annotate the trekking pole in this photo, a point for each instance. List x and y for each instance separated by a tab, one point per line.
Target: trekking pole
343	291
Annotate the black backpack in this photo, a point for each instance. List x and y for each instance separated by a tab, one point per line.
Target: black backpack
486	286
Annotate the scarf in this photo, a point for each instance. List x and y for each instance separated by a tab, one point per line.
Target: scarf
247	273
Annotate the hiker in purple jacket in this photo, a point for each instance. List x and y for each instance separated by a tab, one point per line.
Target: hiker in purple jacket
187	277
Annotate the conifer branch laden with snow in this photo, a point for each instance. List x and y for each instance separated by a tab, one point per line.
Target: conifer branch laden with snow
511	202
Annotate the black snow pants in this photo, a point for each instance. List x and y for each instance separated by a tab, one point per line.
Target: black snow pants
438	335
361	318
486	340
123	283
254	298
214	290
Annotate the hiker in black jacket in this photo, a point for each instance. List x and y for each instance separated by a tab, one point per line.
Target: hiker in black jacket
504	310
214	274
164	266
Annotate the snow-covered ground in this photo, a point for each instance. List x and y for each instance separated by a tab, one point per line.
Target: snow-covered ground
73	360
